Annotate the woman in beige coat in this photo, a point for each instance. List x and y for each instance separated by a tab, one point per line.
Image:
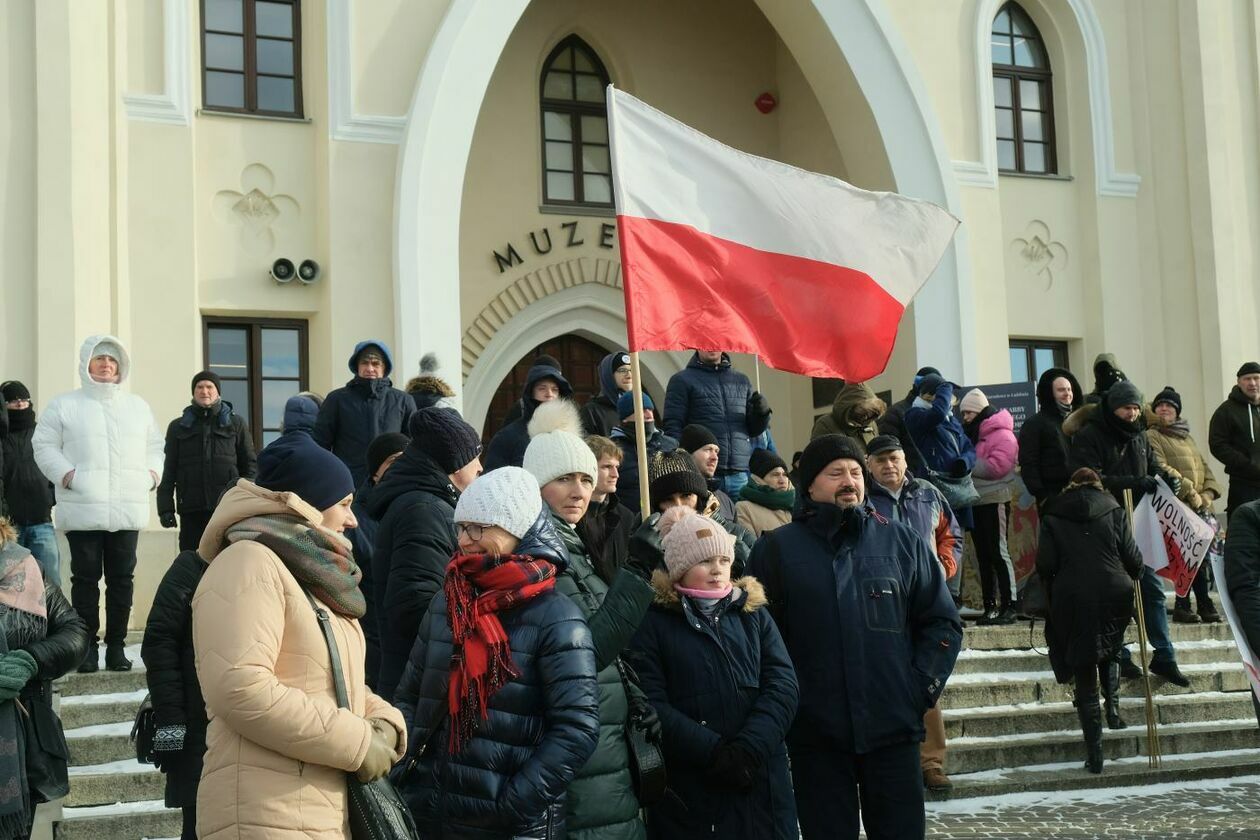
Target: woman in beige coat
767	499
278	747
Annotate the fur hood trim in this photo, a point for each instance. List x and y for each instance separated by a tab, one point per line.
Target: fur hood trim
665	596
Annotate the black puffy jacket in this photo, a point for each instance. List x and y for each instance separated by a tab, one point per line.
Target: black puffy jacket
352	417
1234	439
1122	458
716	397
511	778
207	450
1043	447
170	672
507	447
414	506
28	496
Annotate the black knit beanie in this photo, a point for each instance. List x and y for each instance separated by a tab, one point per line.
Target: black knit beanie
1168	395
696	436
1123	392
821	452
381	447
207	376
14	390
1248	369
674	472
762	462
445	437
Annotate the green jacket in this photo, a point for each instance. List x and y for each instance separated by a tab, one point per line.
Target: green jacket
601	803
853	414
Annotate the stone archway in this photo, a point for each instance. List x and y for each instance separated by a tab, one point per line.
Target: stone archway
858	35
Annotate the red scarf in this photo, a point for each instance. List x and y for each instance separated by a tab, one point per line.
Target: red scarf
478	587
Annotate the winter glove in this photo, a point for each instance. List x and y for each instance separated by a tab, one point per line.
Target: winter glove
379	758
168	520
758	413
16	669
646	552
641	710
1144	485
170	738
732	766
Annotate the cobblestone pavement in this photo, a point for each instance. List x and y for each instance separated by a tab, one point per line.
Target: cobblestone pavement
1224	809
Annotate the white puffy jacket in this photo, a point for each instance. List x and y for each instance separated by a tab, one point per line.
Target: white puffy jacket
111	441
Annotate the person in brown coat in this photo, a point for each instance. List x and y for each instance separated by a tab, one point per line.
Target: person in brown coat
278	746
1176	451
854	414
766	501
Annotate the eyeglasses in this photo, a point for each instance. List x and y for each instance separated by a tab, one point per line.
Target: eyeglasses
472	529
624	370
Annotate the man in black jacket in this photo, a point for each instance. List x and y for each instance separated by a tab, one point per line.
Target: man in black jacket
863	608
606	526
1113	443
1234	437
28	496
415	506
1043	448
369	405
1242	573
208	448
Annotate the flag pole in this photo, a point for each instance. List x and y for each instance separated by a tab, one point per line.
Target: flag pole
1153	756
757	371
640	437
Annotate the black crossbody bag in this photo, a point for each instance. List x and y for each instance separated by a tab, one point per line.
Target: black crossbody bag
377	812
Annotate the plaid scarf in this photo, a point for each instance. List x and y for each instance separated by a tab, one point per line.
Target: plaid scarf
478	587
320	559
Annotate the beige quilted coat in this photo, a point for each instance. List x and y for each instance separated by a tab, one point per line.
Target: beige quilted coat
278	748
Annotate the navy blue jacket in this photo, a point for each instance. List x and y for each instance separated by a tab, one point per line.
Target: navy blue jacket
507	447
352	417
628	477
710	681
716	397
868	621
541	727
414	504
599	415
939	434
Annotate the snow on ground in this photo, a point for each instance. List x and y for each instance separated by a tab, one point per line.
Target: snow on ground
94	699
1097	796
124	765
101	729
1000	773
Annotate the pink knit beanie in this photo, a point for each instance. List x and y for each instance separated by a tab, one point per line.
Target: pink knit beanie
975	400
690	539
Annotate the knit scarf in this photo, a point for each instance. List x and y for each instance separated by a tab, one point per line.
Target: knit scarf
478	587
320	559
21	419
23	620
768	497
1178	428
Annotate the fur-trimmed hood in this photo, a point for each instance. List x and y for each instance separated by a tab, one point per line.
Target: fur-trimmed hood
747	588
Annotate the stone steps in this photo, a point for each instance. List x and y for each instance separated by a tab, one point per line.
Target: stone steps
128	821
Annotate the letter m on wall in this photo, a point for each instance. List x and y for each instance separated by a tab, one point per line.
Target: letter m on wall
506	262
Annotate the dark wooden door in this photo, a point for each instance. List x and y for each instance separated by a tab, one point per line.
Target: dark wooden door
579	362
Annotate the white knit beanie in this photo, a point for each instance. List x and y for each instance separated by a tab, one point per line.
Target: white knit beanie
556	447
975	400
507	497
690	539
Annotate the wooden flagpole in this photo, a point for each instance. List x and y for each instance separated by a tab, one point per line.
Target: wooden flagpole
757	372
640	436
1153	756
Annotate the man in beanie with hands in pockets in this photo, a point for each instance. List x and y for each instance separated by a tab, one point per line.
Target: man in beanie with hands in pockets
1233	436
208	448
870	626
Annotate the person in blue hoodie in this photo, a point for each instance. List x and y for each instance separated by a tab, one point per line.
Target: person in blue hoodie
599	415
938	437
352	417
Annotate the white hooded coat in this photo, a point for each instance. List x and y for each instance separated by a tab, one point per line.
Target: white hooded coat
110	439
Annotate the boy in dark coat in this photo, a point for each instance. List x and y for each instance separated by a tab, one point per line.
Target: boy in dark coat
171	676
352	416
714	666
599	415
208	448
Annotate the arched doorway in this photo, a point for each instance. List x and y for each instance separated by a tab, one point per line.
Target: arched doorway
579	362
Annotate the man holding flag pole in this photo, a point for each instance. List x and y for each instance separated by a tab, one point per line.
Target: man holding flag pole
722	249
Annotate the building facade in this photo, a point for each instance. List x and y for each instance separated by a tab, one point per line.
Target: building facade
444	163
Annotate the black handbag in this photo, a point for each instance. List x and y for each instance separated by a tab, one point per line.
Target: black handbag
47	755
959	491
647	760
377	812
143	731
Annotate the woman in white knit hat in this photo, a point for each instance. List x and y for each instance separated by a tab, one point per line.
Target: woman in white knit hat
500	693
602	803
713	664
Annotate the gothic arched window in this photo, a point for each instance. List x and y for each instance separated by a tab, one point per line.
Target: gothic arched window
576	166
1022	96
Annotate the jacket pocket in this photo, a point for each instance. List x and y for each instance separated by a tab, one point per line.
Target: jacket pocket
883	604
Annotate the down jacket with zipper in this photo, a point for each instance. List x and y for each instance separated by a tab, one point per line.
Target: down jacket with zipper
1234	439
1043	446
601	802
997	453
1176	451
414	507
868	621
352	416
111	441
277	747
714	680
170	672
207	450
921	506
716	397
510	779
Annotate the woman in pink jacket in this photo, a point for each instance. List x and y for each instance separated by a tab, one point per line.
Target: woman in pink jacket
992	431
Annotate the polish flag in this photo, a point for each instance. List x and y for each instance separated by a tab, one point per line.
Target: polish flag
723	250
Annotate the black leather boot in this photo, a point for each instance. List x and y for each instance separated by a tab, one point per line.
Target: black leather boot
116	659
92	660
1091	727
1109	682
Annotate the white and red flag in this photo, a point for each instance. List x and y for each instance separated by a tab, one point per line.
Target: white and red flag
725	250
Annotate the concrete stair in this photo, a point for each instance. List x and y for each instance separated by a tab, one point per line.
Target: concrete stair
1012	728
112	796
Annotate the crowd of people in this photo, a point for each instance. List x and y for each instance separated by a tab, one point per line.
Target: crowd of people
506	625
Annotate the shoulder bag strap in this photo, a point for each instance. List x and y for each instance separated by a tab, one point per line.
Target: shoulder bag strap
334	655
928	472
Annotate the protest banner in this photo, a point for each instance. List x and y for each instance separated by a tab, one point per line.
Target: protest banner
1249	661
1173	539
